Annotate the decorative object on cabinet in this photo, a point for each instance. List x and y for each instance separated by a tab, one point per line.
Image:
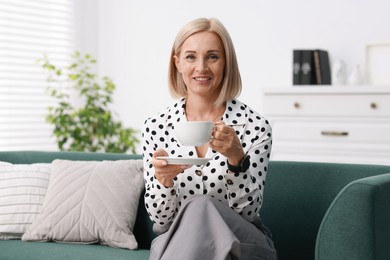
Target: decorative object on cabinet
378	64
339	72
311	67
349	124
356	77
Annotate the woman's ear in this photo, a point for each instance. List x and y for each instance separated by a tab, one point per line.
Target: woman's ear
177	63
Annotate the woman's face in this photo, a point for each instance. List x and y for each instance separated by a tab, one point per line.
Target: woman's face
201	63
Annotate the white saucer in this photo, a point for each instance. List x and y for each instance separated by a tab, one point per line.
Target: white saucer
184	161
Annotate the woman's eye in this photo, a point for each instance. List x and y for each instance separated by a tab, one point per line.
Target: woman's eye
213	57
190	58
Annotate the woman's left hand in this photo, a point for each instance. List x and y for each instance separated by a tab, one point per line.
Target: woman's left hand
225	141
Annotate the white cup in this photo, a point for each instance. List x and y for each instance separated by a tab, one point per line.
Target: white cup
194	133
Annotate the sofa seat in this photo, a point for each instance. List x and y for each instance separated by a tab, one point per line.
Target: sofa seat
20	250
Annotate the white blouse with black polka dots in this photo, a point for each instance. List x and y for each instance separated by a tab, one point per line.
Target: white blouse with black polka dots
243	192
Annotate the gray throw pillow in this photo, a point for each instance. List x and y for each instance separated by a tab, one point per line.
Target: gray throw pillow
90	202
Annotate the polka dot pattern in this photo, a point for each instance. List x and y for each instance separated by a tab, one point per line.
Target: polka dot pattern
243	192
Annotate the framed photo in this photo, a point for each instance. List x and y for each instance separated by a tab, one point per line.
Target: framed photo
378	64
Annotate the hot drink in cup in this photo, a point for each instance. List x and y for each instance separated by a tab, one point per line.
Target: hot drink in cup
194	133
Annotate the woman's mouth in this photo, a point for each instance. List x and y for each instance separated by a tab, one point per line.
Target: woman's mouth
202	79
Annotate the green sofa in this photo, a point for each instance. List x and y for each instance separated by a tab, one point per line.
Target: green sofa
322	211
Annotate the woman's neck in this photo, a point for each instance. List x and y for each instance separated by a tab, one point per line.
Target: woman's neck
203	110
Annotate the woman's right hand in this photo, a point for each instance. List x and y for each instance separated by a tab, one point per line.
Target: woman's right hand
164	172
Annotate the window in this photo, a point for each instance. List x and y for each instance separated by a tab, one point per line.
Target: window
28	30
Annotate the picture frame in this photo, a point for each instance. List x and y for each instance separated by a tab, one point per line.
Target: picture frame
377	65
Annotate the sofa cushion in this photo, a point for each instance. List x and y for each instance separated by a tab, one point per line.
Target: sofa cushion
22	191
90	202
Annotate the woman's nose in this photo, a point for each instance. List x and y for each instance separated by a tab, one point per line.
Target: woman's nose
201	65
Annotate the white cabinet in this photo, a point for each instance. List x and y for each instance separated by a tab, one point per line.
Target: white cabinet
349	124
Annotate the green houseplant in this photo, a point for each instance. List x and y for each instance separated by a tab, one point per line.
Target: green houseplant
92	126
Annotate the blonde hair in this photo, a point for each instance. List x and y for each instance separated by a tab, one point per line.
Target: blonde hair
231	84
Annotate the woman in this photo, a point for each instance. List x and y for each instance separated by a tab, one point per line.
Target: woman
207	211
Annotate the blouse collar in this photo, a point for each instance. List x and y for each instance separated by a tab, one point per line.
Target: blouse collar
235	113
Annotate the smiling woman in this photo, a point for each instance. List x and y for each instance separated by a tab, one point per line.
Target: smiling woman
215	201
27	30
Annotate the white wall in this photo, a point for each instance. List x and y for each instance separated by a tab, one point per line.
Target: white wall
132	41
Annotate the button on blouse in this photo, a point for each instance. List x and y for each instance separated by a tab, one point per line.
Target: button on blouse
243	192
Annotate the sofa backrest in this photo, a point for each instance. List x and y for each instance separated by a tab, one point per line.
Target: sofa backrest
297	196
143	229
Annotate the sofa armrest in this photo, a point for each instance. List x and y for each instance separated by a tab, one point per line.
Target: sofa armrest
357	223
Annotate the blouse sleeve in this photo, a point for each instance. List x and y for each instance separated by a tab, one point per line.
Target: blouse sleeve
160	202
245	189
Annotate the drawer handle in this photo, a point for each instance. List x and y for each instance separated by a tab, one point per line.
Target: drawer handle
334	133
297	105
373	105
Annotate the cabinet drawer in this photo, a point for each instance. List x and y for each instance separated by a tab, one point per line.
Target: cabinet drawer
327	105
331	131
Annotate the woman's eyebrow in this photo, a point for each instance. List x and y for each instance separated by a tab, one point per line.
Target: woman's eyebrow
189	51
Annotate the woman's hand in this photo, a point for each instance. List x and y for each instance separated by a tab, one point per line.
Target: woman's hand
166	172
225	141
